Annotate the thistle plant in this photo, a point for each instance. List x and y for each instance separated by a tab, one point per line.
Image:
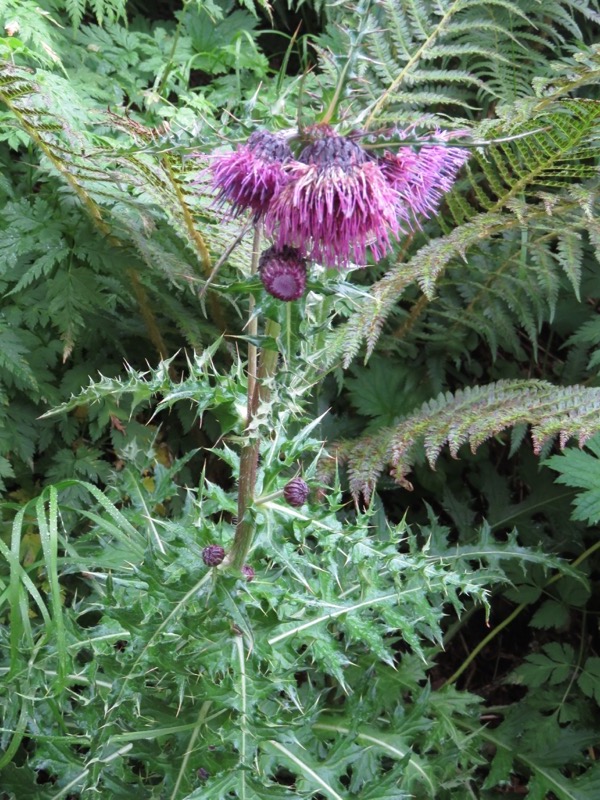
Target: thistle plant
332	204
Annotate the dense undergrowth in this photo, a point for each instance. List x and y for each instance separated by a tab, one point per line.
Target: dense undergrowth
426	624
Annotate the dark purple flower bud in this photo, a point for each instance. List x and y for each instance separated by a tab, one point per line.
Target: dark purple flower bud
336	204
253	174
203	774
296	492
248	572
213	555
283	272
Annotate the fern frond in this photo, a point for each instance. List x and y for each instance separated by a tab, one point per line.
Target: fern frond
426	266
14	366
582	69
89	170
472	416
111	10
413	40
510	288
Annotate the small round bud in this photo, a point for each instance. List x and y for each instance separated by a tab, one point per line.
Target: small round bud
283	272
213	555
203	774
296	492
248	572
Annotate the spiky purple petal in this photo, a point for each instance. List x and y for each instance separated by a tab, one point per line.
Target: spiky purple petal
253	174
422	178
336	204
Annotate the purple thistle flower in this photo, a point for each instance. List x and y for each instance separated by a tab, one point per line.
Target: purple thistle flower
283	272
422	178
213	555
253	174
296	492
336	203
248	572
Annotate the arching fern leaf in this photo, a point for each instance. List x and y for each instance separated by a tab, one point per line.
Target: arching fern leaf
472	416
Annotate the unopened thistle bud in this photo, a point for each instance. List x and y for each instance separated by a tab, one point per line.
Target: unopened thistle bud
296	492
248	572
282	271
213	555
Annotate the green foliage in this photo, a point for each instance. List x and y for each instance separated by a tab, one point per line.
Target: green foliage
421	56
581	470
544	748
237	695
556	665
101	281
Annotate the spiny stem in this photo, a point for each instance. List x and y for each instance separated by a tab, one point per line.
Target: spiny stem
258	375
249	456
252	329
223	258
245	526
464	142
268	362
331	112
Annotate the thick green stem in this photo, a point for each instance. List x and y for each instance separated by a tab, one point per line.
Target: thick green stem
245	526
266	498
171	61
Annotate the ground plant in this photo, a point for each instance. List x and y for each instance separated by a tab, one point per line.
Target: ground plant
299	400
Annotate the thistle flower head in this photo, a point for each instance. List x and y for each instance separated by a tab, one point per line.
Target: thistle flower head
248	572
422	178
282	271
213	555
253	174
335	204
296	492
